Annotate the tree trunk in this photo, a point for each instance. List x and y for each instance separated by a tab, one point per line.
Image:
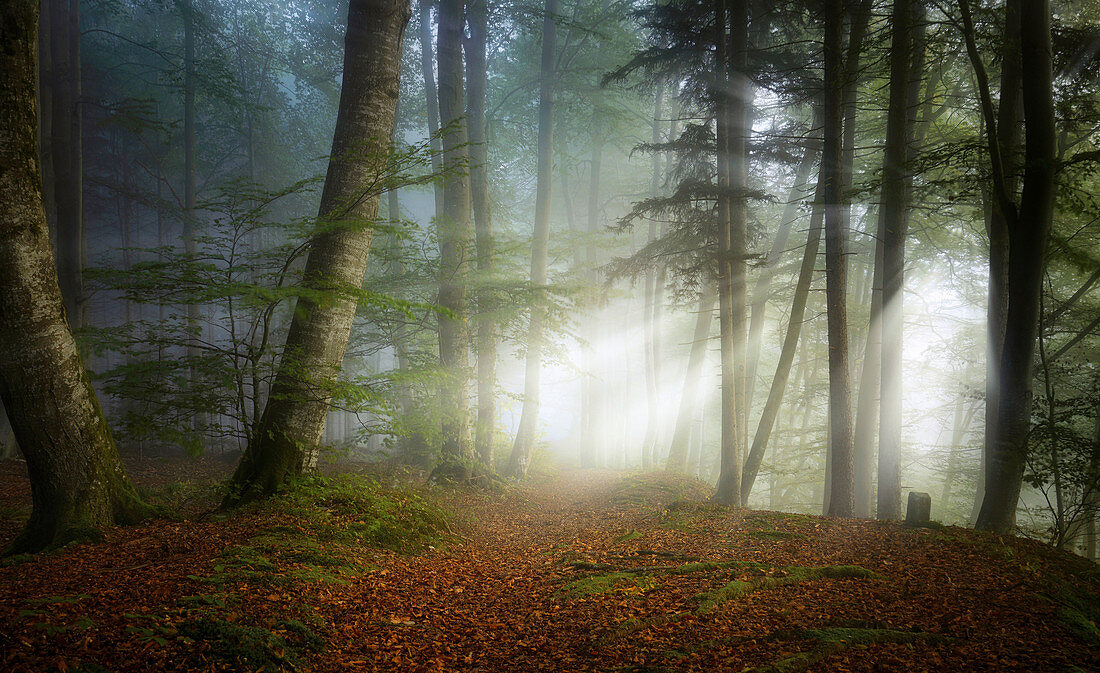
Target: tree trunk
762	289
454	238
870	378
431	100
293	421
678	450
1029	234
729	479
592	436
66	159
77	480
520	460
787	353
478	17
649	310
895	222
841	496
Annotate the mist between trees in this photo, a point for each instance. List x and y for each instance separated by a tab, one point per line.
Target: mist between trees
819	254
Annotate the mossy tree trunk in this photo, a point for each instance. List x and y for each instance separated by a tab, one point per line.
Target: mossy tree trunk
76	477
293	421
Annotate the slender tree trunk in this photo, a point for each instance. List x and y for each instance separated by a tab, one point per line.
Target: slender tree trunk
1029	234
681	436
787	353
77	480
870	378
431	100
649	310
293	421
895	220
520	460
841	496
46	79
478	17
762	289
729	479
592	439
65	146
454	238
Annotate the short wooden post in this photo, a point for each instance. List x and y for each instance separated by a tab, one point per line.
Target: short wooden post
919	509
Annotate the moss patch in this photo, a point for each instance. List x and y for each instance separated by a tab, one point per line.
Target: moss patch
783	577
606	583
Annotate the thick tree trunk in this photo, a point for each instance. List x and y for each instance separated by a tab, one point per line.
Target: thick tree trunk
478	17
895	223
1029	234
787	353
454	238
681	436
522	449
841	495
293	422
77	480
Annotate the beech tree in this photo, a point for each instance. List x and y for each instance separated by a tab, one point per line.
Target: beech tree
77	480
289	433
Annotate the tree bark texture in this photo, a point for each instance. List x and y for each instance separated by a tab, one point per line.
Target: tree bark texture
77	480
293	421
522	449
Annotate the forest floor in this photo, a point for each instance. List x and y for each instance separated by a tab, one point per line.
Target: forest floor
568	571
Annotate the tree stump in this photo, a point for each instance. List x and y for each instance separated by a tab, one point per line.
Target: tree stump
919	509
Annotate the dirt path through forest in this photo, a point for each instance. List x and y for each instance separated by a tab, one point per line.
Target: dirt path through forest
592	571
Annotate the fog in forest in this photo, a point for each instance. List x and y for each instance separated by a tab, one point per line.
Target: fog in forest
577	197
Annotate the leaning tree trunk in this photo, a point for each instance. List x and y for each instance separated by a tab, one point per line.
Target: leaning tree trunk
287	439
895	222
762	289
454	238
77	480
841	495
520	460
1029	234
787	353
681	436
478	18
